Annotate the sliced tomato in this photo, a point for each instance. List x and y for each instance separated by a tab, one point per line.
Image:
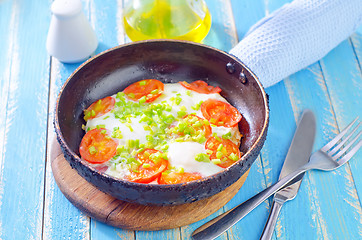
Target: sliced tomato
97	147
176	177
150	88
200	87
148	169
99	108
192	125
228	153
220	113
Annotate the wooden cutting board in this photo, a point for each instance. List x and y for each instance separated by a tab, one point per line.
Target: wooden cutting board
112	211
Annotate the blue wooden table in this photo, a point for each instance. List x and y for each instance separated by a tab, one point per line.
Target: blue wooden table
328	205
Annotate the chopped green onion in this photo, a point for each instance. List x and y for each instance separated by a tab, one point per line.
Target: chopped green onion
178	100
142	99
92	150
226	135
146	165
100	126
208	151
219	154
233	157
120	149
129	126
202	157
117	134
146	154
155	91
155	157
216	161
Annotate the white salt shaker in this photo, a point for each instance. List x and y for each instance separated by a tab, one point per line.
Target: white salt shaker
70	39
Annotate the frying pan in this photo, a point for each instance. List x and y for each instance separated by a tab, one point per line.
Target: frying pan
169	61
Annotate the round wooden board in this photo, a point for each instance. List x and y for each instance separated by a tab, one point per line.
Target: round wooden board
114	212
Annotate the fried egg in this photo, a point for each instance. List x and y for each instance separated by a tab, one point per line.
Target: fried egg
138	125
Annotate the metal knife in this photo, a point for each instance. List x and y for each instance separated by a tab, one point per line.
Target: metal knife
298	154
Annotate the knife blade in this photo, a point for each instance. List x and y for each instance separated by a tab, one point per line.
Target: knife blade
298	154
302	141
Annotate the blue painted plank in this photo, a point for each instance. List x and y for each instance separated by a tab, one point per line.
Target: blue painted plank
273	5
280	133
255	181
105	17
246	13
186	231
170	234
61	219
281	128
24	76
286	226
322	218
306	91
101	231
253	184
344	82
222	34
356	41
6	43
70	223
314	219
329	213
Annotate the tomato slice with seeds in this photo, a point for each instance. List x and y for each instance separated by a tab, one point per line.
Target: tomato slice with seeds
176	177
97	147
148	169
99	108
150	88
228	154
220	113
200	87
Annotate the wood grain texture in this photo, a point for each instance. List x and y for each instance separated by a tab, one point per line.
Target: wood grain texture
225	12
24	100
256	180
307	89
61	219
109	210
32	206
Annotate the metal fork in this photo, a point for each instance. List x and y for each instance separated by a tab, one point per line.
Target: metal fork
333	155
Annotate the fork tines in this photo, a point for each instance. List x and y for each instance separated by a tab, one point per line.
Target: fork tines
337	150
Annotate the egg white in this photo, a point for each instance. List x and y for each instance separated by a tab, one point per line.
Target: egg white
180	154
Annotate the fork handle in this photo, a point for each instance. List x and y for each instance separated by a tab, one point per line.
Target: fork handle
272	220
223	222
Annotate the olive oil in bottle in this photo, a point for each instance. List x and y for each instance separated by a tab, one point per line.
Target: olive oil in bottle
171	19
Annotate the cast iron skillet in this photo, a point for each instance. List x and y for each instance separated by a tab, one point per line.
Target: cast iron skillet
169	61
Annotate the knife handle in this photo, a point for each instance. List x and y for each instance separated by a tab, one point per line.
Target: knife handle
272	220
223	222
